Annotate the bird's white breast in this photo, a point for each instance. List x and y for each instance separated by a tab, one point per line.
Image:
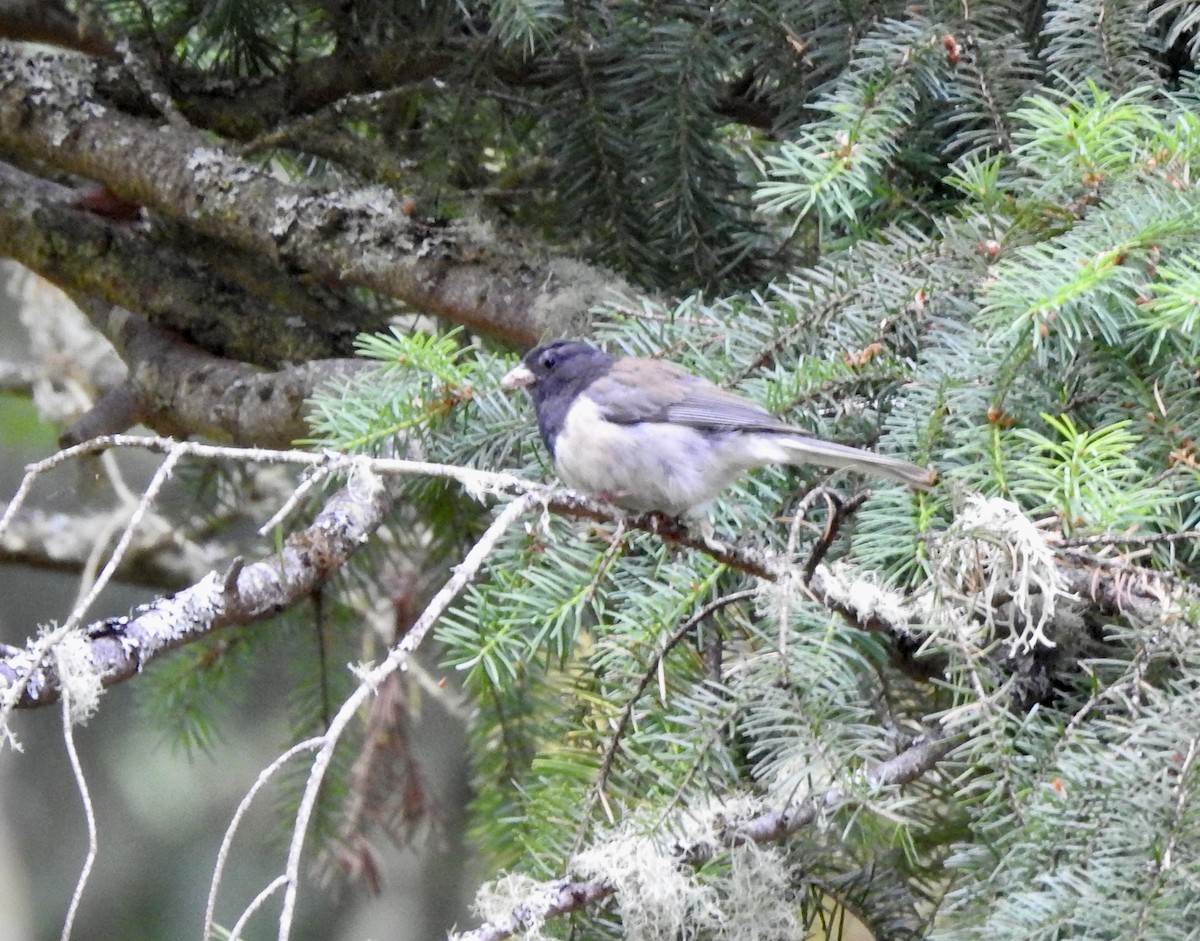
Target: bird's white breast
653	465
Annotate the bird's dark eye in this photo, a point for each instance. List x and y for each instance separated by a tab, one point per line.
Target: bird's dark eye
548	359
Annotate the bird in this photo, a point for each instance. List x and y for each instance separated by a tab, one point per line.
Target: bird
647	435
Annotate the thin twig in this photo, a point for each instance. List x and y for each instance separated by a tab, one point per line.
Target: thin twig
1127	539
243	806
397	658
321	473
255	904
114	560
799	518
89	813
648	674
839	512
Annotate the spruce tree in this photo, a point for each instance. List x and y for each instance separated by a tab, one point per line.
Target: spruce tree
317	234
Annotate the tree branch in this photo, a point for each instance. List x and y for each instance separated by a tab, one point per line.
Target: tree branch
122	646
772	826
62	542
49	22
352	238
180	389
86	254
563	896
210	604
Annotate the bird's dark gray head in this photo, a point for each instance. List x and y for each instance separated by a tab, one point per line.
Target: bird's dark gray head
555	373
566	361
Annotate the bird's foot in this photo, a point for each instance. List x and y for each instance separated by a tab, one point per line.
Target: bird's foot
701	528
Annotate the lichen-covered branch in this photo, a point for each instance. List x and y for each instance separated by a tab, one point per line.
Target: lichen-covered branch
180	389
50	111
774	825
83	253
123	645
563	896
119	647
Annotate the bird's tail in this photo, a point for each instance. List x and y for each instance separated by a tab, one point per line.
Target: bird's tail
802	450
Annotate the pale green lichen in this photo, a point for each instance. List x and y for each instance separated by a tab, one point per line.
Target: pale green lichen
655	896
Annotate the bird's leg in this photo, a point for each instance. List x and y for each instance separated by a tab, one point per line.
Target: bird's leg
693	525
700	526
615	537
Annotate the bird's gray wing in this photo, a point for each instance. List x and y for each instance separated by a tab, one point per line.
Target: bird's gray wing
648	390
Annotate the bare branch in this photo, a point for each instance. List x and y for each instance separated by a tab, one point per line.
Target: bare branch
118	409
50	22
59	541
210	908
670	529
463	574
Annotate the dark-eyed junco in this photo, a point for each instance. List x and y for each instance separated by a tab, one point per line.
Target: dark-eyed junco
648	435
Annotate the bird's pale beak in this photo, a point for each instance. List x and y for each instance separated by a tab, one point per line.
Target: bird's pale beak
518	377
